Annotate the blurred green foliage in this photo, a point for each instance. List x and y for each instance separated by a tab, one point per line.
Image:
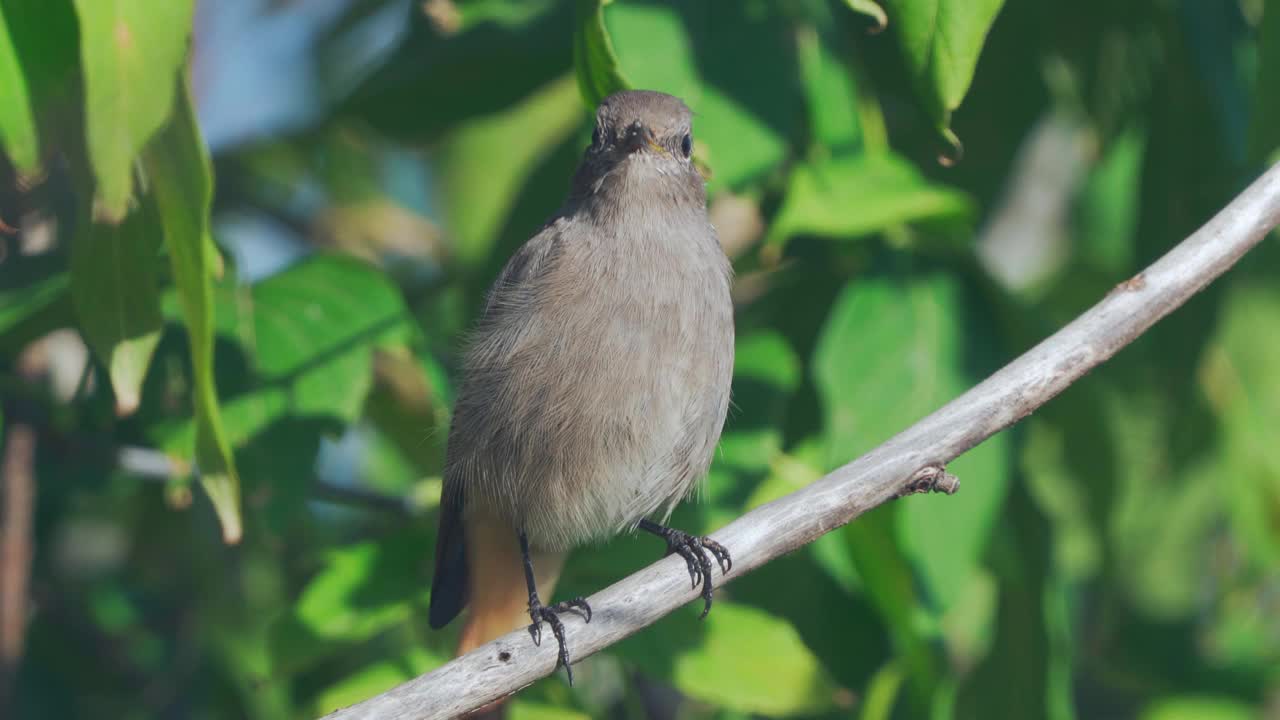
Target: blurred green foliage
1115	555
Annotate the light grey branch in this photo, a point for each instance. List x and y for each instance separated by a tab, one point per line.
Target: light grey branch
893	469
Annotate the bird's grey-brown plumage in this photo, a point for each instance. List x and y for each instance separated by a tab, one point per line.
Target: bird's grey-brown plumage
596	385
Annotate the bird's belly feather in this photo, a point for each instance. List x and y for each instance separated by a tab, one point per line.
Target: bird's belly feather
609	414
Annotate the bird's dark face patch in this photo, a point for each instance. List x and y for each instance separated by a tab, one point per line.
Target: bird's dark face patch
642	145
642	120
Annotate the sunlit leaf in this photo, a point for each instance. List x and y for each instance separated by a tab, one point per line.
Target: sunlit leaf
941	41
1108	205
889	352
832	97
1077	545
1240	380
851	197
593	56
526	710
313	328
309	334
374	679
131	52
484	164
740	658
1192	707
892	351
882	692
734	66
361	589
1161	509
114	271
178	167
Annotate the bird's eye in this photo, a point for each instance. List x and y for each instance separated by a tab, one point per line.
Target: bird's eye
686	145
595	137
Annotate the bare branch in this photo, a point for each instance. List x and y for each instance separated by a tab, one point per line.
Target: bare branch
17	472
909	462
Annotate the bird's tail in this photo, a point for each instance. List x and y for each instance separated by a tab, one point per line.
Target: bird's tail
497	592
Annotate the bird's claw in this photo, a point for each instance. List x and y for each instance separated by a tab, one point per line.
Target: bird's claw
694	550
539	613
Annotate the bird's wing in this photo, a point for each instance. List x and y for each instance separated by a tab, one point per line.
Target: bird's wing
512	289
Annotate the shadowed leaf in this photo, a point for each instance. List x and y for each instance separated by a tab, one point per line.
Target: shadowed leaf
18	136
114	284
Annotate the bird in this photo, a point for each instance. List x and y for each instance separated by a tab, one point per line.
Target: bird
594	386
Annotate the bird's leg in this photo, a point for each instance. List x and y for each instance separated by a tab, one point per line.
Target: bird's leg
694	550
539	612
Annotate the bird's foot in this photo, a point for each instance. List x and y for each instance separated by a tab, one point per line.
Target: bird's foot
551	614
695	551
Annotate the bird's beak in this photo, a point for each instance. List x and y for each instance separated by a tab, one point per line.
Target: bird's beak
640	136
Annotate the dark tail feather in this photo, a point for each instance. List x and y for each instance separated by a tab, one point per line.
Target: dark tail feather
449	586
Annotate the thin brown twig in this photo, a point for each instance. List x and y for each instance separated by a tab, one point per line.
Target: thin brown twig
17	475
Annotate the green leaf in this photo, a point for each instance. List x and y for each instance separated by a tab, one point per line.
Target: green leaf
1264	136
1165	503
1021	652
1243	388
593	56
861	195
177	165
32	307
483	165
1108	205
409	407
375	679
941	41
887	579
830	93
131	51
725	664
361	590
114	285
526	710
309	335
792	471
787	474
18	135
1191	707
890	353
349	599
312	329
765	374
511	52
740	82
881	693
945	535
1060	496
